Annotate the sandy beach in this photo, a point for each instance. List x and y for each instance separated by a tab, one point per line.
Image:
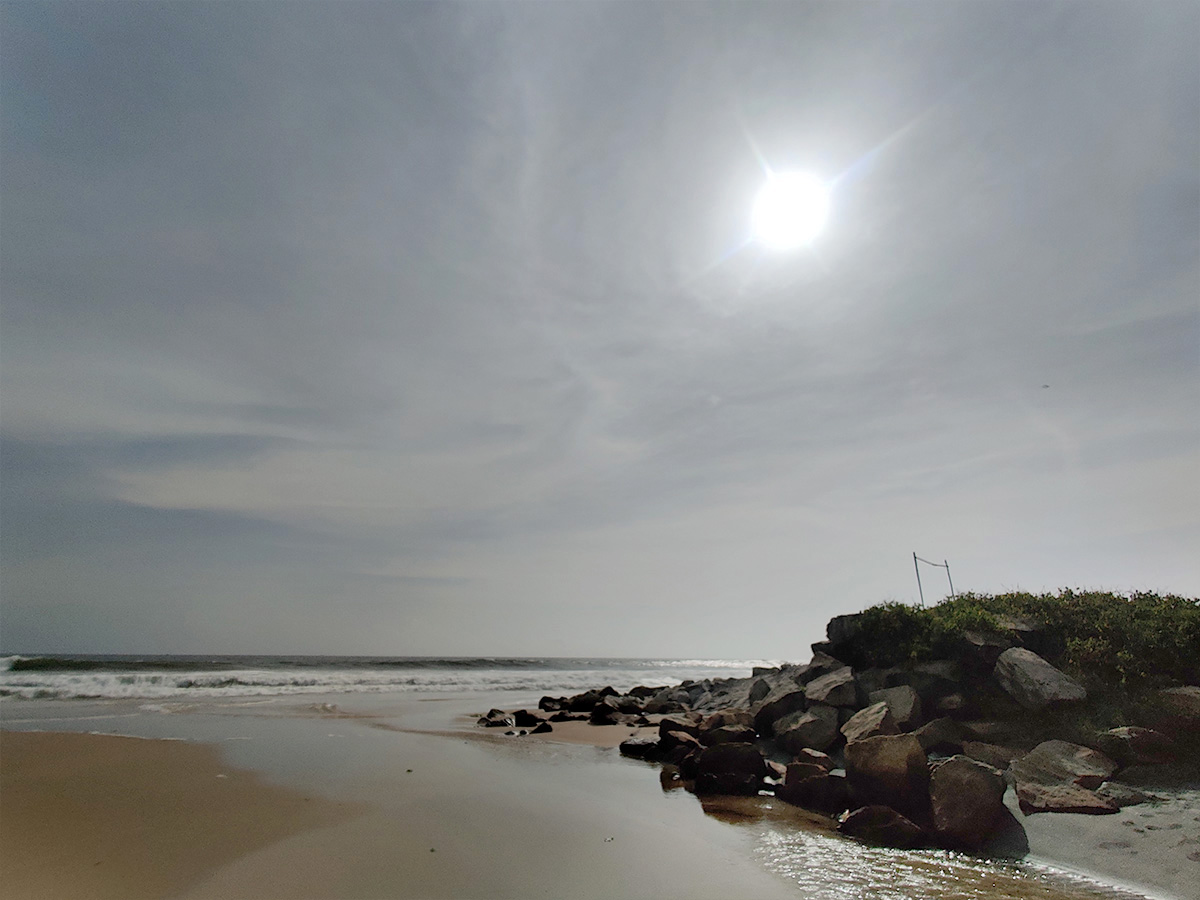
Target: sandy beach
405	798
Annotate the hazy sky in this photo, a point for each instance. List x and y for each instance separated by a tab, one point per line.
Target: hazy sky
433	328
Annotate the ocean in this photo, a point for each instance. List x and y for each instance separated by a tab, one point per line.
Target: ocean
132	677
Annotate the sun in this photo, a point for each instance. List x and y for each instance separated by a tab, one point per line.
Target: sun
791	210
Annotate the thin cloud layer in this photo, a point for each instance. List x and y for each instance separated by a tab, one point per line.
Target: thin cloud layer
393	328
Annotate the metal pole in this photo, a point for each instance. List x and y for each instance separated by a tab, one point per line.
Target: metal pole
918	571
948	578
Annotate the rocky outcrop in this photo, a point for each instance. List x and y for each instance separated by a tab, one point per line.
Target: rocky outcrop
868	722
882	825
967	801
1033	682
890	770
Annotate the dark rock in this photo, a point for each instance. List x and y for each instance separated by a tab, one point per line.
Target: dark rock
552	704
730	769
1131	745
724	717
678	723
903	702
524	719
759	690
979	651
673	739
940	736
606	712
991	732
951	705
816	757
822	792
992	754
967	800
1182	712
1034	797
821	664
814	728
497	718
643	693
1033	682
1054	762
821	648
776	770
629	704
568	717
882	825
641	748
542	728
798	771
764	670
728	734
935	679
781	701
890	769
838	688
875	719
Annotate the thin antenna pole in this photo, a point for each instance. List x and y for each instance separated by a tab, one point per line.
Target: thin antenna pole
917	569
946	563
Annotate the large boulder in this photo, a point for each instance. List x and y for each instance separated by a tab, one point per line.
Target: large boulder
1181	718
777	704
1057	776
1055	762
1033	682
868	722
882	825
815	728
822	792
729	716
1131	745
940	736
642	748
890	769
606	712
838	688
730	769
967	800
759	689
816	757
992	754
935	679
728	734
903	702
678	723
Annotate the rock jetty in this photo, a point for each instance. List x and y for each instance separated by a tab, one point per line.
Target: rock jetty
910	755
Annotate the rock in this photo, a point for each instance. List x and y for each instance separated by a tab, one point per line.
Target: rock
673	739
724	717
497	718
552	704
967	799
1131	745
903	702
1121	794
940	736
728	734
522	718
606	712
882	825
821	664
979	651
643	693
815	728
641	748
1033	682
730	769
868	722
542	728
816	757
890	769
777	704
991	732
951	705
1054	762
1035	798
935	679
823	792
1057	776
798	771
1182	708
678	723
838	688
629	704
758	690
775	770
568	717
992	754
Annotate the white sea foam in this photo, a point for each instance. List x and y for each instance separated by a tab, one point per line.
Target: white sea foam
156	684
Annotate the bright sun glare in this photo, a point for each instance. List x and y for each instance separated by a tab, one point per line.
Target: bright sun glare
790	210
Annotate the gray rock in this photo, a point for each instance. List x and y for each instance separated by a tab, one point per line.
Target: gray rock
728	734
890	769
967	799
815	728
835	689
759	690
940	735
992	754
1035	798
903	702
882	825
868	722
1130	745
1121	794
1055	762
678	723
1033	682
730	769
777	704
641	748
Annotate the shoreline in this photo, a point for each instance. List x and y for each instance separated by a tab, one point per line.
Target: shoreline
424	802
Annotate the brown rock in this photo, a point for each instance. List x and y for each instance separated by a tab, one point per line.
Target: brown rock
815	728
941	735
868	722
903	702
777	704
890	769
1130	745
835	689
728	734
1055	762
824	793
816	757
1066	797
967	799
730	769
992	754
882	825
